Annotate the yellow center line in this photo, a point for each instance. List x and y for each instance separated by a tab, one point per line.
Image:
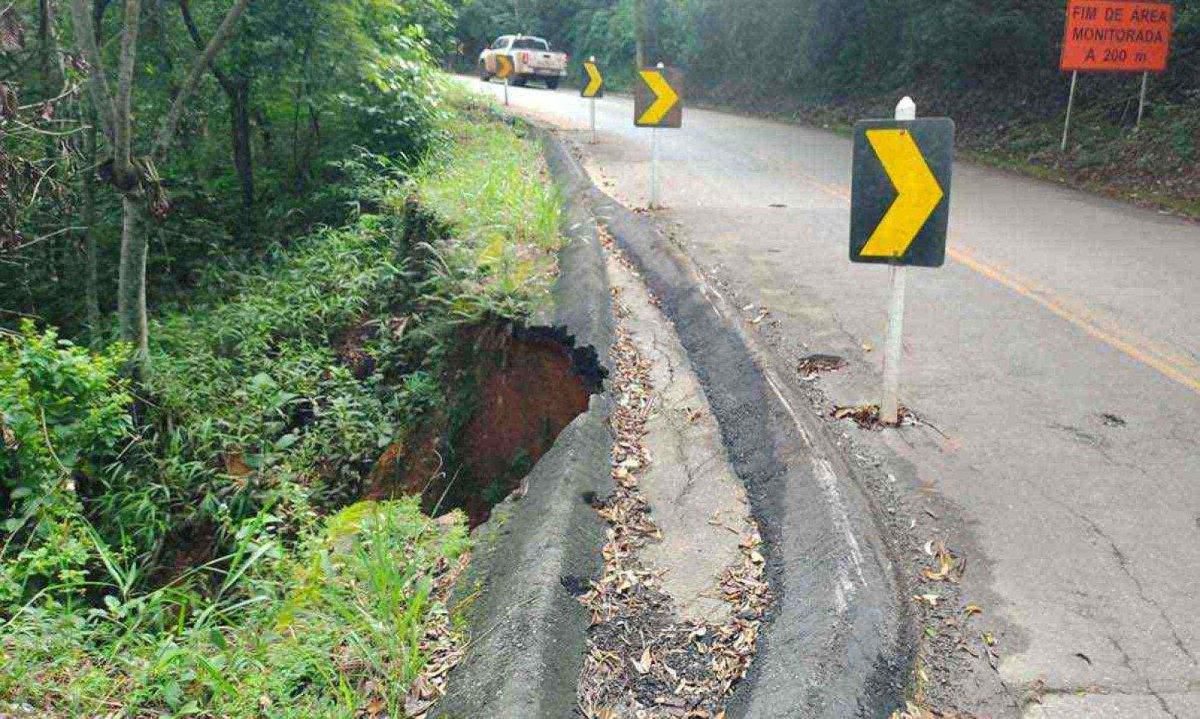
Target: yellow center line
1167	361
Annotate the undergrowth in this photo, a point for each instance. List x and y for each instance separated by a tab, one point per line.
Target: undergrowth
194	545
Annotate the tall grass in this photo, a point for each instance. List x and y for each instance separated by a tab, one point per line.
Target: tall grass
320	632
491	187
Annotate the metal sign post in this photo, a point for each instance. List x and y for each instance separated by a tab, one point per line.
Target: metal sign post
900	214
1115	36
658	103
653	168
1070	108
593	87
1142	99
504	70
889	408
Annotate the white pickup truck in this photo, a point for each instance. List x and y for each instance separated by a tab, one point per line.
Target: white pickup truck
532	59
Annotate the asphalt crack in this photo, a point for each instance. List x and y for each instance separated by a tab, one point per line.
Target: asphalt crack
1123	562
1128	663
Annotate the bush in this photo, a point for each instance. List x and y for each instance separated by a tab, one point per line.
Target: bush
63	413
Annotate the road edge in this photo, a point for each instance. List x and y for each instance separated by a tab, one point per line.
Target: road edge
527	629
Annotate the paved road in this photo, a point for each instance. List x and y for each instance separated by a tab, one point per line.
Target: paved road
1057	354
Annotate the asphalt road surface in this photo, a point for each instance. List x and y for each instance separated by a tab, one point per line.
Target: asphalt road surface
1057	354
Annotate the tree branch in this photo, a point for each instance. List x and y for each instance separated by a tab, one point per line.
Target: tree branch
85	38
186	11
219	39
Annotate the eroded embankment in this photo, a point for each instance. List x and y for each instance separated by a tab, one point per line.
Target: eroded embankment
511	391
527	629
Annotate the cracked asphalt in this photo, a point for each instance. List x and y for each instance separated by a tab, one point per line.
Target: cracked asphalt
1054	361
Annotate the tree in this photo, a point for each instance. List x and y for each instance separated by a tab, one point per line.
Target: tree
135	180
648	14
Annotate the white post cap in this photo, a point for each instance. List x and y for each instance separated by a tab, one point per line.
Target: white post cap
907	109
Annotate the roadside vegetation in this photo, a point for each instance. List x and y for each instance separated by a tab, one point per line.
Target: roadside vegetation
184	531
992	66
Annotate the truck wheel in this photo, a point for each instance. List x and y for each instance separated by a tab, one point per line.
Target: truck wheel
483	73
521	81
552	83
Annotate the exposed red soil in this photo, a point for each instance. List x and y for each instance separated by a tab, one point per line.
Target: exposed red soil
406	469
513	391
527	393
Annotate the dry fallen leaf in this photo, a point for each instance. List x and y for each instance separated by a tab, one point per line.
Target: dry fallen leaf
945	568
628	594
643	666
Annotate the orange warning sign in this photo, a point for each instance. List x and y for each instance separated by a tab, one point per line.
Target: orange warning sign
1117	36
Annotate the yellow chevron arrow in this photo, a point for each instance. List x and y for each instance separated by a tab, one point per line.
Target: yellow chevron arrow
667	98
504	66
595	79
918	193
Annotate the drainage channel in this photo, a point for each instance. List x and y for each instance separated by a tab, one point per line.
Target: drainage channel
677	611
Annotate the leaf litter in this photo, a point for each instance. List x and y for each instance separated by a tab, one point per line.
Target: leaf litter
644	662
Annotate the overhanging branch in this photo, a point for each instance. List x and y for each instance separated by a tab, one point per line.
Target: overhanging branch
215	45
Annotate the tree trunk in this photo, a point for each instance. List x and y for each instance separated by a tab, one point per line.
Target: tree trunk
652	54
131	296
264	130
243	158
639	22
237	90
91	272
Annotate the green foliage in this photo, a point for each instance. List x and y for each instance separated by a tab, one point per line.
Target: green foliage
207	562
493	190
318	632
63	413
302	83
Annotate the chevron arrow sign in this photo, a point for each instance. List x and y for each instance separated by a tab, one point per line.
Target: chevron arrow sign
504	67
900	196
593	81
658	101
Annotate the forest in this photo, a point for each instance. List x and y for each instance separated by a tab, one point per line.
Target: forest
235	261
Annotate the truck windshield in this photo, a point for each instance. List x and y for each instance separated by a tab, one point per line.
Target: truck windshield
531	43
